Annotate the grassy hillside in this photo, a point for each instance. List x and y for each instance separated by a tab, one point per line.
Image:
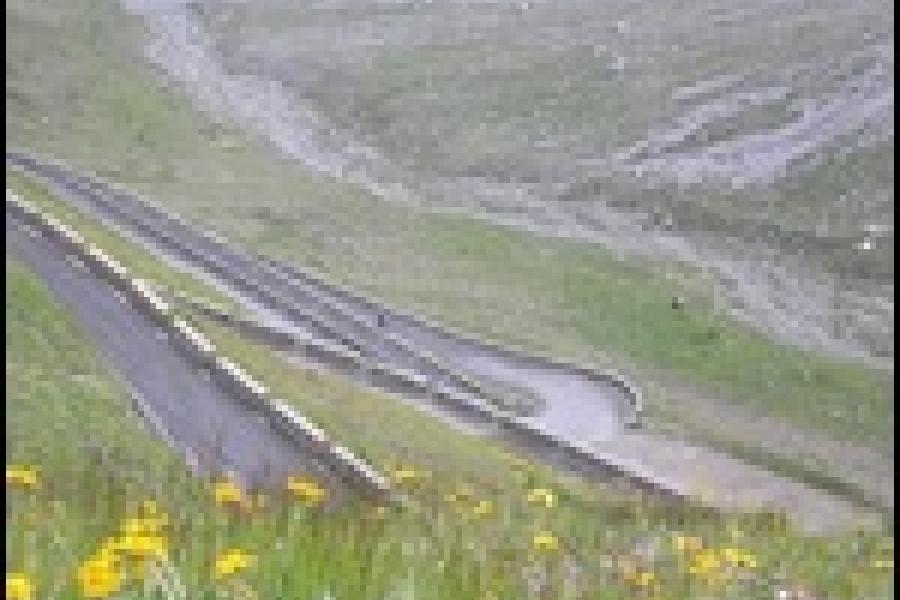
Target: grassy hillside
735	129
77	87
481	523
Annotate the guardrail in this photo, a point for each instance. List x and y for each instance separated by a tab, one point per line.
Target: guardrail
616	379
534	438
243	280
38	165
578	457
575	456
197	347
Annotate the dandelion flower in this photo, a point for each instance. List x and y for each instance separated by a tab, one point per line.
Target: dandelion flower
542	496
707	566
226	493
404	475
144	525
545	541
231	562
644	579
19	587
484	507
100	576
708	560
140	550
143	546
739	558
306	491
22	476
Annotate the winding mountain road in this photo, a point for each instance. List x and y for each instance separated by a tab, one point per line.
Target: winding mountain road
589	411
215	431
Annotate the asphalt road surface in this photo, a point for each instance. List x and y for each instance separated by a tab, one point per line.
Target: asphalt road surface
586	411
215	431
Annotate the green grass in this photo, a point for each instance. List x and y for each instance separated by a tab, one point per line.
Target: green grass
77	88
477	102
138	261
605	304
173	283
103	110
469	100
63	407
596	524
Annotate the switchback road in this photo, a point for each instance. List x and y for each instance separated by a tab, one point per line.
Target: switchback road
588	411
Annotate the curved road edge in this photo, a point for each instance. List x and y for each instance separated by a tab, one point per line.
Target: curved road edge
192	344
645	461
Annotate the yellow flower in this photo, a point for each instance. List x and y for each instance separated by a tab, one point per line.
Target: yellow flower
100	576
545	541
707	566
404	475
143	546
19	587
22	476
226	493
140	550
644	579
884	564
231	561
542	496
141	538
144	525
306	491
484	507
707	560
739	558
